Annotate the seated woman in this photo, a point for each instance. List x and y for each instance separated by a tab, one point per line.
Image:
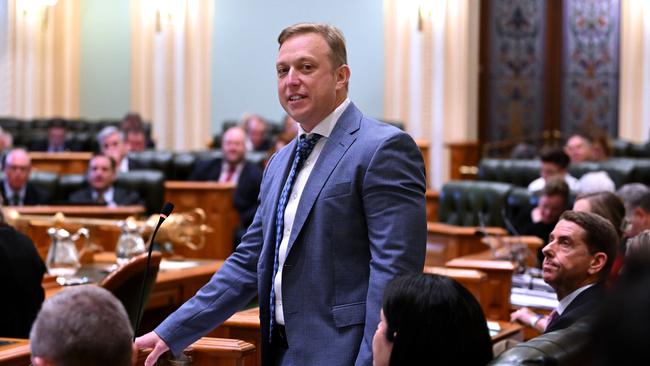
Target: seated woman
430	317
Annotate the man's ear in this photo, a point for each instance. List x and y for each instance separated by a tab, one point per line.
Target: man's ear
597	263
342	76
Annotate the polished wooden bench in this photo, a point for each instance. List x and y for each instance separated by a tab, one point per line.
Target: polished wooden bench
61	162
34	221
496	300
216	199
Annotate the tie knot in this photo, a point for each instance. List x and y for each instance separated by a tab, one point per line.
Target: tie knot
306	144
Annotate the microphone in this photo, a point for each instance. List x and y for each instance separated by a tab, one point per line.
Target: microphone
164	213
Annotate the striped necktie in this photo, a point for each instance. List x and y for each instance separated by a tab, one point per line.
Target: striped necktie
304	147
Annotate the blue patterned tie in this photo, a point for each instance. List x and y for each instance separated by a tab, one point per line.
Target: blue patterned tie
304	147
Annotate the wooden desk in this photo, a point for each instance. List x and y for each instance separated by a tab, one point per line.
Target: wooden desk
496	302
34	221
216	199
173	286
446	242
14	354
474	281
62	162
432	204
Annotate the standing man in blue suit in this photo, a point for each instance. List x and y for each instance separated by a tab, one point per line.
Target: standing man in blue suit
341	213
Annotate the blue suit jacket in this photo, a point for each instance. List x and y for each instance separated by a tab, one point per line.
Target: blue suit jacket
360	222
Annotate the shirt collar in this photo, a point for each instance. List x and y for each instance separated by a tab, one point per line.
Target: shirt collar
108	194
325	127
10	192
566	301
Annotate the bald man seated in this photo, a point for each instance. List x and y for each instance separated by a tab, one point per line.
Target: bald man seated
16	189
233	168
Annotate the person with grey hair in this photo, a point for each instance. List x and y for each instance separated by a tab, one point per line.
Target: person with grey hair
111	143
639	217
631	194
21	271
83	325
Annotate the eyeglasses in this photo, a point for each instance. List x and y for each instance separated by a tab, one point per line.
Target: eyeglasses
18	168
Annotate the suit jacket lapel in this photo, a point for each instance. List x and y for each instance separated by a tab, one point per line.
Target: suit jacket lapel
337	144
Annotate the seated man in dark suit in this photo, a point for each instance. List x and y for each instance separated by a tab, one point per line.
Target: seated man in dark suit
256	133
233	168
83	325
21	274
56	142
101	189
577	261
16	190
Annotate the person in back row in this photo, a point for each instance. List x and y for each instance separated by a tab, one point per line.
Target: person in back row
101	189
15	188
233	168
554	164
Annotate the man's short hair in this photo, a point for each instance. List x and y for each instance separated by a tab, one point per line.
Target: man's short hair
555	156
631	194
83	325
110	159
332	35
644	202
600	236
556	186
108	131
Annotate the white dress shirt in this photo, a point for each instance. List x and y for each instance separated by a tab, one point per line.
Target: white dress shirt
224	172
566	301
10	194
324	128
109	196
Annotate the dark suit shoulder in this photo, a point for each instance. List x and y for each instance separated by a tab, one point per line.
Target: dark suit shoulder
82	196
125	197
208	169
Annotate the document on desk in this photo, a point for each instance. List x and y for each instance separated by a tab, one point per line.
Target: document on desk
533	298
174	265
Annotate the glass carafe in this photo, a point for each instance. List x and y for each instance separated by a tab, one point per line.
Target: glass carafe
63	257
130	242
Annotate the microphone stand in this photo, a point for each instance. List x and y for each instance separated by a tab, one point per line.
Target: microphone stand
166	211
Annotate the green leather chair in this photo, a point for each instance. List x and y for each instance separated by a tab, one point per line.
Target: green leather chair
473	203
566	347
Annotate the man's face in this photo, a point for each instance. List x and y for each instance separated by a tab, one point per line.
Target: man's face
638	221
578	149
56	136
550	170
257	132
307	81
233	145
17	169
101	174
551	207
567	261
114	147
135	141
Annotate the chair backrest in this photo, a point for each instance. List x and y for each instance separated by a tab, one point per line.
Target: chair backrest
126	281
565	347
467	203
149	184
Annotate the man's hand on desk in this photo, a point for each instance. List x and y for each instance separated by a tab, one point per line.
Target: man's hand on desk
152	340
528	317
